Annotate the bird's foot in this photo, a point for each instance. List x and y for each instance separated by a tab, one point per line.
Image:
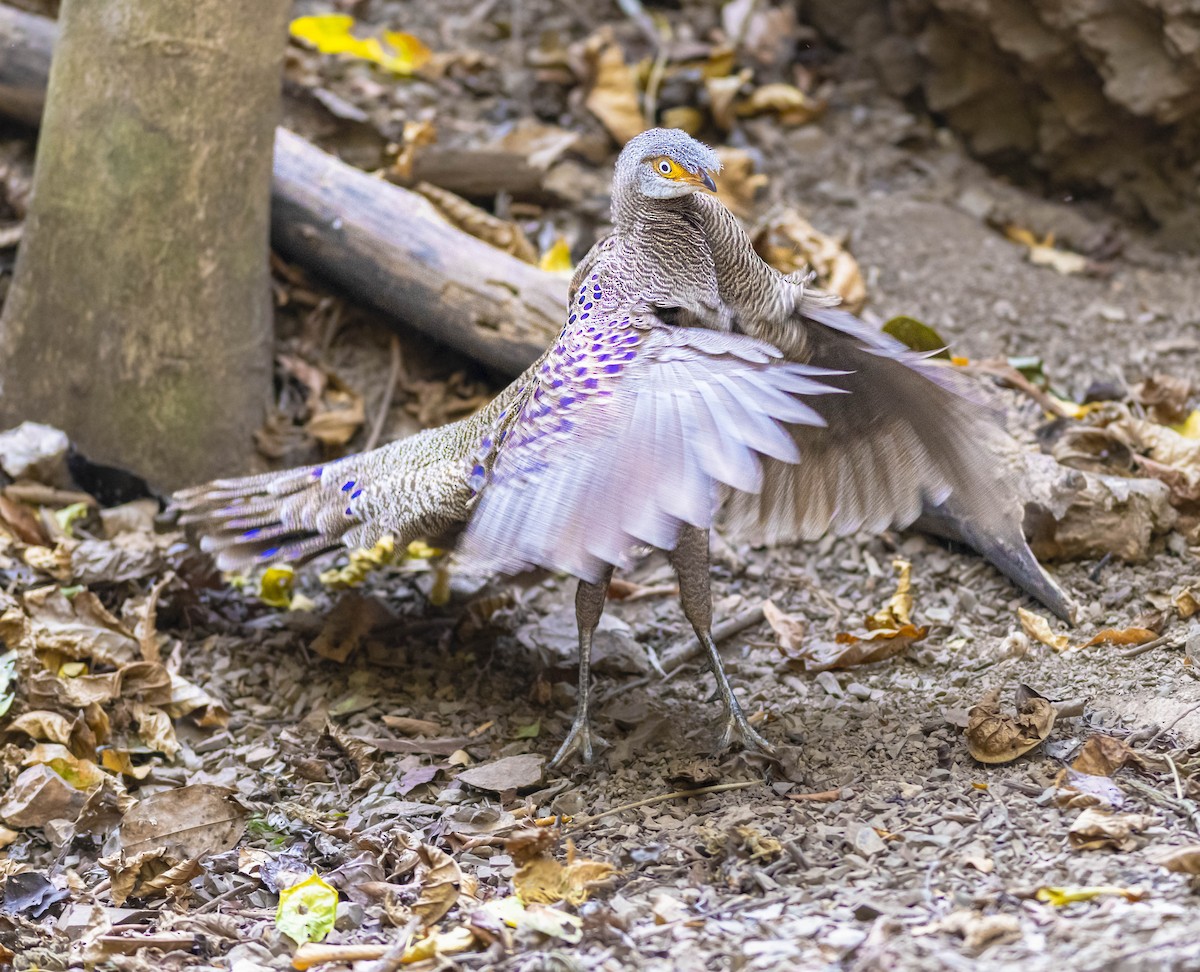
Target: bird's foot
738	730
579	740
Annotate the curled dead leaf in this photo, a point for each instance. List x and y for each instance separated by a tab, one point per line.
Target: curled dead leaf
1120	636
613	94
994	736
787	102
1102	756
1038	628
1096	829
791	244
1181	860
738	185
788	628
545	880
1187	603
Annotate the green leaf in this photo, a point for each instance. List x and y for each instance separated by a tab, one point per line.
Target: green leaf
917	335
531	731
307	910
69	515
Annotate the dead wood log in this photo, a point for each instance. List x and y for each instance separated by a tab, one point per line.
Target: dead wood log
389	248
385	246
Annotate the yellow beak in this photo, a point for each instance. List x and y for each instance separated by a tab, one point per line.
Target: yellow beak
702	179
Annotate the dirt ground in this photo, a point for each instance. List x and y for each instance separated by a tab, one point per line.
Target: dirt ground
912	855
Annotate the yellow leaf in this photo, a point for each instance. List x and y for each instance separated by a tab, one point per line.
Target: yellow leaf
557	259
69	515
307	910
331	34
1038	628
1189	428
1120	636
545	880
1065	896
275	588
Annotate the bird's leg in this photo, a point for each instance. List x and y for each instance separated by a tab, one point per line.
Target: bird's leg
589	605
690	560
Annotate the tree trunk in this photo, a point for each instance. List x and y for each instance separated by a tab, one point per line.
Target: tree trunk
139	317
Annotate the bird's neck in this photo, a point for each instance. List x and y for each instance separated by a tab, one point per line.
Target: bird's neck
751	288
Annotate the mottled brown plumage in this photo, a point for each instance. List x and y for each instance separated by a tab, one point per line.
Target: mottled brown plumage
622	435
909	435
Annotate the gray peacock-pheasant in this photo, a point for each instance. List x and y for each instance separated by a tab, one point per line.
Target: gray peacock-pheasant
647	412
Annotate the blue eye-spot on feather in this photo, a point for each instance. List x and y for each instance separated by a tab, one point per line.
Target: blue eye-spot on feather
268	554
348	486
252	533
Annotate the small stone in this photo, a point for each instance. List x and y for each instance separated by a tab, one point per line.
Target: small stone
858	690
828	681
868	843
509	773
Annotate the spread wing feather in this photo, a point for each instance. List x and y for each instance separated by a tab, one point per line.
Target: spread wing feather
627	432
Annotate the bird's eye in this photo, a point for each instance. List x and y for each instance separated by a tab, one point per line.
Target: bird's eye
664	167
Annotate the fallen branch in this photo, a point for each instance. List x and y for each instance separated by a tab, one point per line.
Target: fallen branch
384	246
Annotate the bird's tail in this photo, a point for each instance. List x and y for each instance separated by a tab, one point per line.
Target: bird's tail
296	514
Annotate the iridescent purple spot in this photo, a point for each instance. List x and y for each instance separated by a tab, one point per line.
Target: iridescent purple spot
503	435
592	383
612	369
566	400
316	473
581	296
556	383
477	470
632	339
584	317
486	443
595	276
588	305
349	485
597	347
571	319
356	494
268	554
251	534
603	357
581	371
629	355
349	512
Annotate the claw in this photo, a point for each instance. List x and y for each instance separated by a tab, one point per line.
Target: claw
579	740
738	730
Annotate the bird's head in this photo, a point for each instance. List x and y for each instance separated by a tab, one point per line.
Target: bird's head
665	163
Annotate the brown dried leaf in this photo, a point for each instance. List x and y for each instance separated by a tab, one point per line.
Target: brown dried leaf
530	843
437	875
1095	828
1038	628
722	93
80	628
788	628
1181	860
738	184
501	233
850	650
791	244
545	880
1165	397
1187	603
613	95
1102	756
994	736
347	626
188	822
507	773
787	102
1120	636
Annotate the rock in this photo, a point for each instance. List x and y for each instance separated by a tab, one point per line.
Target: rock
509	773
35	451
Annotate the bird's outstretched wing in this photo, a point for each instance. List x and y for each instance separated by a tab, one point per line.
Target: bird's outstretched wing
626	431
907	434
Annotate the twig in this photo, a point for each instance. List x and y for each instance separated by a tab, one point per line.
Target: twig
683	652
388	392
1175	775
1158	642
311	954
1172	724
1009	375
663	798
